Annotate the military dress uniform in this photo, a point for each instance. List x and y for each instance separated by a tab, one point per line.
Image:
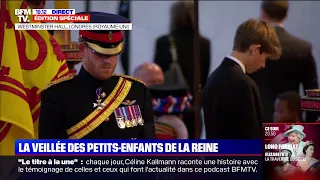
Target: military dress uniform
83	107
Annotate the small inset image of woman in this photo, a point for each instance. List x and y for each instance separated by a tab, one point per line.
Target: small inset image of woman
309	164
286	170
295	137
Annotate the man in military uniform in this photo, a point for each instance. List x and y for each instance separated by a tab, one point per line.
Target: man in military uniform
97	104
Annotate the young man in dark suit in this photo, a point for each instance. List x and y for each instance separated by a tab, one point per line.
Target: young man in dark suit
296	65
231	100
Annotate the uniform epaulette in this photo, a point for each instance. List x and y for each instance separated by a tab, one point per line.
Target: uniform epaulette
60	80
131	78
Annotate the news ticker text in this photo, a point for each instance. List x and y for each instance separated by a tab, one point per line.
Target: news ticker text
134	165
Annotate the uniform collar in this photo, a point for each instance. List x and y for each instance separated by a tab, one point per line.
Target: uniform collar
89	80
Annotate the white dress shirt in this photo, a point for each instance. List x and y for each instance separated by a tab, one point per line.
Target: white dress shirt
277	25
237	61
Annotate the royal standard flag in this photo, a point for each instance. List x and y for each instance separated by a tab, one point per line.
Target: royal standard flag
29	60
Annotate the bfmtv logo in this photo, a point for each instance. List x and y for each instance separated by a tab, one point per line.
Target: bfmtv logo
23	15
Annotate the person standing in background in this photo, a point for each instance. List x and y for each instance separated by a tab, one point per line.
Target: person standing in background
149	73
296	65
174	54
231	99
181	32
287	108
169	103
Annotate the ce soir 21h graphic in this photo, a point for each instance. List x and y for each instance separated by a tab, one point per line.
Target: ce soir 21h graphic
291	151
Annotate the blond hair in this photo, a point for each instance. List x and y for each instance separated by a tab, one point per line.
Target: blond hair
257	32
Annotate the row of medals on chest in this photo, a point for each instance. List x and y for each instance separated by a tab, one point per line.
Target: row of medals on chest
120	120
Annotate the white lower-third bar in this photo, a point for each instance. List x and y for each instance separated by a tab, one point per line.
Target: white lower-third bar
73	26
